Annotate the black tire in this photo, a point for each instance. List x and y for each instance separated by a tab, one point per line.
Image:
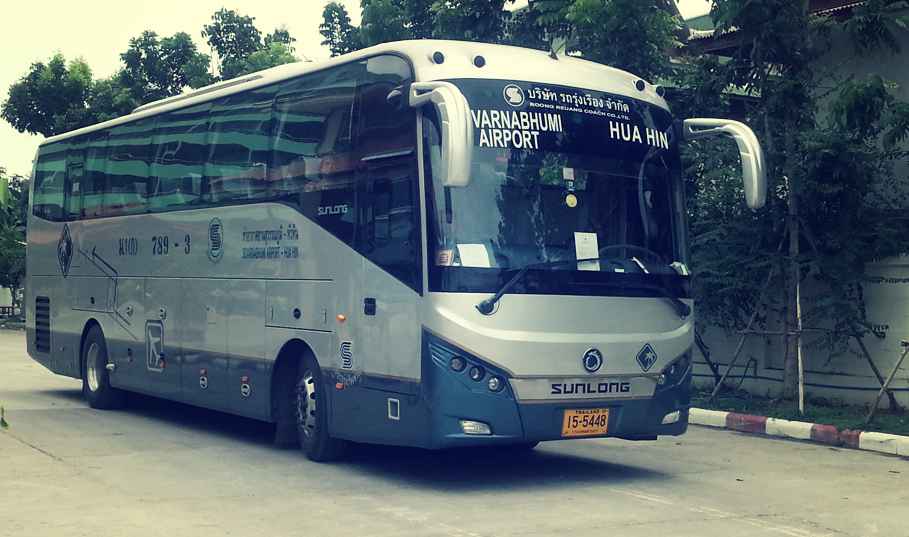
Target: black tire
96	386
311	415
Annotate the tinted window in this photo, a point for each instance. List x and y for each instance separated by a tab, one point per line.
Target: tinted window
50	182
94	179
240	130
313	161
127	168
179	151
388	213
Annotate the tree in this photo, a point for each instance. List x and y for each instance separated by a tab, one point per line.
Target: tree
159	68
340	35
13	216
240	47
829	155
50	98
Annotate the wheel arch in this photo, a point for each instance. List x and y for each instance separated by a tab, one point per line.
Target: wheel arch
284	370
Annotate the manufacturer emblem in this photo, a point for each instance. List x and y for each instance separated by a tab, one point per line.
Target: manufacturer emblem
245	387
203	379
215	240
513	95
65	250
592	360
154	345
345	354
646	357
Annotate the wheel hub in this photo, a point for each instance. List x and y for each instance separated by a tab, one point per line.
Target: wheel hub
305	395
91	367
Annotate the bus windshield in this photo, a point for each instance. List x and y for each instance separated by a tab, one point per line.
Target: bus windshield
594	178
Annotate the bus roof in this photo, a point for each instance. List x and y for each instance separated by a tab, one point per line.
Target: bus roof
501	62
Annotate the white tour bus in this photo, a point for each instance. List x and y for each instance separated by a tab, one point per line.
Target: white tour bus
427	243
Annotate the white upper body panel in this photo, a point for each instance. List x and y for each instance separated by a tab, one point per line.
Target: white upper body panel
501	62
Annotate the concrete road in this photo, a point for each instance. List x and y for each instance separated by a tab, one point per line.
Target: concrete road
167	469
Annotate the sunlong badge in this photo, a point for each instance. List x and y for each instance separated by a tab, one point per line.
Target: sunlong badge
592	360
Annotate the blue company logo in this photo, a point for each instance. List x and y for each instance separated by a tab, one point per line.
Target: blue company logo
345	353
65	250
592	360
646	357
513	95
215	240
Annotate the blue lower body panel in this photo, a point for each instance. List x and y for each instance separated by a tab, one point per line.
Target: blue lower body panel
430	412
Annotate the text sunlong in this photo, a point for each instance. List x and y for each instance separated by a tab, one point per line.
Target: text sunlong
590	388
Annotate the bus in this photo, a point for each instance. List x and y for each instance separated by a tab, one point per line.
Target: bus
427	243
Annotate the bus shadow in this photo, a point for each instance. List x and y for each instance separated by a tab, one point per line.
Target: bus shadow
502	469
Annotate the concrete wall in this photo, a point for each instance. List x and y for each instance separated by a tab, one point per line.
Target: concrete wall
845	376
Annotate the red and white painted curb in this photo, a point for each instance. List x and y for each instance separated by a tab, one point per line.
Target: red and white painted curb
892	444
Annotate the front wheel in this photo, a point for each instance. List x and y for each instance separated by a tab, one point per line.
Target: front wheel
312	415
95	377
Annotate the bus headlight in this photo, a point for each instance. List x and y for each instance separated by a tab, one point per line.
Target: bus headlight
476	373
457	364
495	384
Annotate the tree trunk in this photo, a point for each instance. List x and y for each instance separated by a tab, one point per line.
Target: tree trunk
791	364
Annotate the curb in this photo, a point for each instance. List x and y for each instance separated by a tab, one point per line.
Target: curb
891	444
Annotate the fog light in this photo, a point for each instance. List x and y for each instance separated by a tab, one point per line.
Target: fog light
671	418
475	427
476	373
495	384
458	364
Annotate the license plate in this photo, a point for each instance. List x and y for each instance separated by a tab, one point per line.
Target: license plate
585	422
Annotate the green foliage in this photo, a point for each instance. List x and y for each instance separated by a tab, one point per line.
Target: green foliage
233	37
340	35
240	47
634	35
13	216
155	69
50	98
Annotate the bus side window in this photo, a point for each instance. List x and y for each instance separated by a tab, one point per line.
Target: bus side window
94	178
127	168
312	161
240	129
388	191
50	182
179	151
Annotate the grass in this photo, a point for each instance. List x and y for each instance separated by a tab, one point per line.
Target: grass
824	411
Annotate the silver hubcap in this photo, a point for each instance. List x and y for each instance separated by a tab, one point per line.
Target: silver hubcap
306	404
91	366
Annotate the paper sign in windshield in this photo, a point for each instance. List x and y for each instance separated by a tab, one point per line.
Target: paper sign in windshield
474	255
585	247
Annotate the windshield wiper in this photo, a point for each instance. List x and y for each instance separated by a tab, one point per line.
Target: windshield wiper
487	306
684	310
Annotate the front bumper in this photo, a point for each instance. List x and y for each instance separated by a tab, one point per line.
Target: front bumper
452	396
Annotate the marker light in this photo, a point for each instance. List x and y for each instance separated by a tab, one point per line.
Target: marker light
341	317
457	364
476	373
475	427
495	384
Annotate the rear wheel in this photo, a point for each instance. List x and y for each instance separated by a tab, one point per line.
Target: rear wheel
95	376
311	413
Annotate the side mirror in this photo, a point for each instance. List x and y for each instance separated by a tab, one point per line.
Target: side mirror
753	171
455	125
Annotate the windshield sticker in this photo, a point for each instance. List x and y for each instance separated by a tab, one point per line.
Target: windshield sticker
474	255
585	247
512	129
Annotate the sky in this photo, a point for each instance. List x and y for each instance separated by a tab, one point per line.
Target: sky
99	30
